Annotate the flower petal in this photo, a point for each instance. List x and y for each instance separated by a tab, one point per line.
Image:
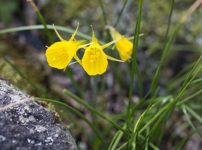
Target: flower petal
94	39
60	54
94	60
123	45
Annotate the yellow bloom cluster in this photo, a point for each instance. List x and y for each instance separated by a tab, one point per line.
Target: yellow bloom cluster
94	60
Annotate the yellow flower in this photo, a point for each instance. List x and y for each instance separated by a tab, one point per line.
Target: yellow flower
94	60
59	54
123	45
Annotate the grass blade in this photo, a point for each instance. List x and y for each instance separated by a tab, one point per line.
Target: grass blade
121	12
184	108
190	97
20	73
169	20
89	107
41	27
134	69
194	114
170	42
116	139
42	20
103	11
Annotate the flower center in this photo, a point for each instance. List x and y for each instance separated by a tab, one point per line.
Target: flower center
94	54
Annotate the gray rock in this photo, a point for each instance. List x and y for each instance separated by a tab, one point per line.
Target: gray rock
26	125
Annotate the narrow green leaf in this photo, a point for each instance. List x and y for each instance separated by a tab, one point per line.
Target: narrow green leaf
92	109
169	19
21	74
170	42
184	108
190	97
41	27
134	67
116	139
41	19
121	12
103	11
194	114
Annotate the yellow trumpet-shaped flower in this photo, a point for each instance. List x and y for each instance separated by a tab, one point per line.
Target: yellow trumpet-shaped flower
123	45
59	54
94	60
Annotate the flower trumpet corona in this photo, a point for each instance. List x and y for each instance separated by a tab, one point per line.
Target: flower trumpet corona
94	60
59	54
123	45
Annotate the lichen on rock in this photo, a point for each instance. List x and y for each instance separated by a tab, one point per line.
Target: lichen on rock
26	125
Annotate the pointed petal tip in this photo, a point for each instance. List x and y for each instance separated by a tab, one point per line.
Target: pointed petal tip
75	32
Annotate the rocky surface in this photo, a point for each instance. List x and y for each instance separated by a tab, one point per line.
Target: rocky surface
26	125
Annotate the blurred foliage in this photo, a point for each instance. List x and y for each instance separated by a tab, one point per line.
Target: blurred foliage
7	10
14	62
154	25
61	11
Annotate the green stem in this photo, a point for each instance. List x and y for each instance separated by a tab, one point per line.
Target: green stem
170	16
189	97
103	11
121	12
41	27
42	20
134	59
